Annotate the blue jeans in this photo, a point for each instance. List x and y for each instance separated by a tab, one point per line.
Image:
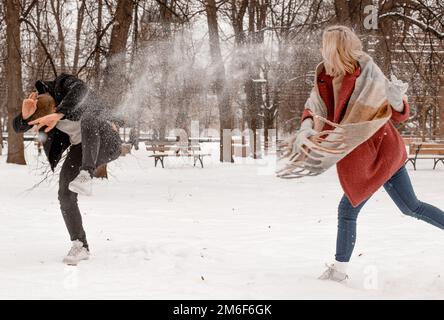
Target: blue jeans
401	191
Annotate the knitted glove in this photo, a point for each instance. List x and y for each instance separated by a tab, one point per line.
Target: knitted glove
395	90
306	131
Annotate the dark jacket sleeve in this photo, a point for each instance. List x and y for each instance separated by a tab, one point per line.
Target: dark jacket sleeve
73	91
20	125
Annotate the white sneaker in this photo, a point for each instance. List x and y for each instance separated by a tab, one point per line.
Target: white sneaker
82	184
333	274
77	253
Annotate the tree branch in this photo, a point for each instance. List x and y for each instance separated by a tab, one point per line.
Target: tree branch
28	10
425	27
42	43
96	47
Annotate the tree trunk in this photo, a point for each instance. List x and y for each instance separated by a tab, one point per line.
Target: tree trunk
251	87
256	23
268	113
97	49
2	124
165	18
39	53
441	107
163	99
383	48
1	133
351	13
237	20
80	16
115	65
135	43
219	78
14	80
342	11
56	10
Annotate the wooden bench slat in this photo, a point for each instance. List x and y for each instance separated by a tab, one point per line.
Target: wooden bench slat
161	155
424	156
165	149
430	151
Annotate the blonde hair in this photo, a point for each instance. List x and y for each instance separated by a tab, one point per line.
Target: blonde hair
341	49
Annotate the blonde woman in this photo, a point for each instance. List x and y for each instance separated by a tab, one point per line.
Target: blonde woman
378	161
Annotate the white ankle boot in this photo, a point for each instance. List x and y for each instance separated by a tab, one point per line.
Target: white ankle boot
335	272
77	253
82	184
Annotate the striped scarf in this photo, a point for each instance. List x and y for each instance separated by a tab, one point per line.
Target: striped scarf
367	111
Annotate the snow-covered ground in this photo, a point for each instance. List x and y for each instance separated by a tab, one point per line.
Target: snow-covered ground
228	231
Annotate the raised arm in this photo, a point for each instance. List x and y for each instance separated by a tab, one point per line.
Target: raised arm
29	107
74	91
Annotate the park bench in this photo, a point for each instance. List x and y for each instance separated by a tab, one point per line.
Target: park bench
163	149
432	151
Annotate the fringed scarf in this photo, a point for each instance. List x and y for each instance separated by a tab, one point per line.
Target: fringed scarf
367	111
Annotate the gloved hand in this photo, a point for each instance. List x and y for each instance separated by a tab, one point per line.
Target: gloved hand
395	90
306	131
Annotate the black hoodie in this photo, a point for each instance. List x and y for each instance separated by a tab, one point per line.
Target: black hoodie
73	98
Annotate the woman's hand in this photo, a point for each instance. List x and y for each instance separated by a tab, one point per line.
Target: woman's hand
395	91
29	106
299	142
305	132
50	121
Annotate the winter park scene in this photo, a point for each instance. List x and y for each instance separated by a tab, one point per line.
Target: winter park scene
221	149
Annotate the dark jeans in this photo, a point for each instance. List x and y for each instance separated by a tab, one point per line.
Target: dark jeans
102	145
401	191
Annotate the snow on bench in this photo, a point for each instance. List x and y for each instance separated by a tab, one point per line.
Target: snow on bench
163	149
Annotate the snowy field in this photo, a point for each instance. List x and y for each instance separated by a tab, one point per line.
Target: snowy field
225	232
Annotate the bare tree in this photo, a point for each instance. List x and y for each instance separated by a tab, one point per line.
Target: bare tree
441	107
80	18
96	67
115	61
260	72
351	13
219	77
14	79
57	10
165	35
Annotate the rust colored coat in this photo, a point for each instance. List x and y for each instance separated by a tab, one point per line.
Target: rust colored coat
371	164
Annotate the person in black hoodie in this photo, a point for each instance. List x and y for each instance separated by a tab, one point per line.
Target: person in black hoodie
82	123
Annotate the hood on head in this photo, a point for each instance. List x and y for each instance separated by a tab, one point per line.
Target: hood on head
45	87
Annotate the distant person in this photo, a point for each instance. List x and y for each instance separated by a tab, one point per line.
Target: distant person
73	118
377	162
134	138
